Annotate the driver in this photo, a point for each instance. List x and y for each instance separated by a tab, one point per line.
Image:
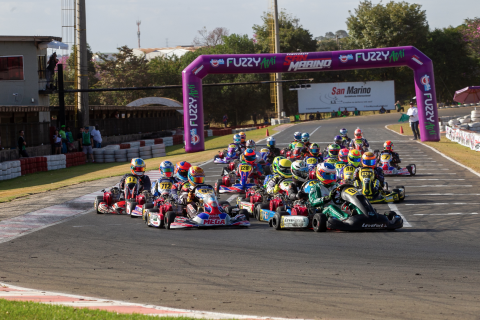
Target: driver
354	161
359	136
299	175
281	171
314	151
237	140
319	194
274	152
196	178
342	143
345	138
306	139
251	157
181	175
388	148
137	168
369	163
332	154
297	137
166	169
243	140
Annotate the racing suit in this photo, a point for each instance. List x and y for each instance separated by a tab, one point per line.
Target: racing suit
274	152
377	171
154	189
319	196
366	145
272	185
345	141
144	182
395	158
295	191
178	190
191	200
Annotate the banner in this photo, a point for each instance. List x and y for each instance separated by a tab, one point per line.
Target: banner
349	96
464	137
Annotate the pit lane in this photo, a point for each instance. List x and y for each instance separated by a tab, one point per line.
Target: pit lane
429	270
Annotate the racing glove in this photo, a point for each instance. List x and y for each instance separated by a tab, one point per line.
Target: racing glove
276	189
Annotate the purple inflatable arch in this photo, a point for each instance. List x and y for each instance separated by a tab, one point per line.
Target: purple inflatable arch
308	62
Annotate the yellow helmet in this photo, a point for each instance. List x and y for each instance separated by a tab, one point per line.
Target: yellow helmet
283	168
243	136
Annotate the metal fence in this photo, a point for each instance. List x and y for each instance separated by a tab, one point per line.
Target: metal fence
36	133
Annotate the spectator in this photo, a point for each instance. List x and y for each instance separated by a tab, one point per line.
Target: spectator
85	141
97	137
345	113
319	116
57	142
64	138
382	110
265	119
22	145
399	106
225	120
52	63
413	114
254	118
356	112
70	145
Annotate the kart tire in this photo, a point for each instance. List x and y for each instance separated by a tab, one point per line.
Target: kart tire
168	219
277	218
255	205
412	169
217	187
130	206
245	213
397	191
229	211
222	203
385	185
147	214
319	222
390	215
281	209
263	205
401	187
267	170
97	201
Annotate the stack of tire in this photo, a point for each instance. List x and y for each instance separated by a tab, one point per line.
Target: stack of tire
75	159
121	155
146	152
98	155
10	170
133	152
158	150
109	153
32	165
475	115
55	162
168	141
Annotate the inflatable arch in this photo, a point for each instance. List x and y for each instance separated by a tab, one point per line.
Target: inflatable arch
308	62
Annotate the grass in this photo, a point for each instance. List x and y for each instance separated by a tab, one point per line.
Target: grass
407	131
51	180
20	310
463	155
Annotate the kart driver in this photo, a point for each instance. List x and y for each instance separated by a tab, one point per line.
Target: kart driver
306	139
297	137
332	153
299	175
274	152
237	140
243	140
166	169
342	143
345	138
354	161
181	175
196	178
250	157
369	163
314	151
320	193
359	136
281	171
388	148
137	168
342	159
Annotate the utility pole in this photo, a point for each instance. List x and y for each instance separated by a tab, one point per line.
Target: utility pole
279	75
138	32
82	63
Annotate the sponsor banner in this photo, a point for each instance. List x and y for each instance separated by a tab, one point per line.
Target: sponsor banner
362	96
464	137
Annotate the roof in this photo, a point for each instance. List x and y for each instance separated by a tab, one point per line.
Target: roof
30	38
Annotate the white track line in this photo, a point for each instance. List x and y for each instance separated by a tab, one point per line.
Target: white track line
315	130
393	207
440	203
441	186
415	179
445	194
442	214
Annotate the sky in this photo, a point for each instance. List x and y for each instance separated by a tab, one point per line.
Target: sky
112	23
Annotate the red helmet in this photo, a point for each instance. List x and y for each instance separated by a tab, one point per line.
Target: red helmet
181	170
343	155
358	133
388	145
250	156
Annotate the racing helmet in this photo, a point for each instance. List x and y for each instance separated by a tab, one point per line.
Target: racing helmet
283	168
299	171
232	150
358	133
137	166
166	169
297	136
333	150
271	142
236	138
354	158
250	156
369	159
343	155
388	145
276	160
181	170
243	136
196	176
250	144
337	140
326	173
315	149
305	137
343	132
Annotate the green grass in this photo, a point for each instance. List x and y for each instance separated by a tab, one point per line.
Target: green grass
45	181
20	310
407	131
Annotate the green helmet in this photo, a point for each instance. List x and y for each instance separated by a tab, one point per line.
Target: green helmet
333	150
282	168
275	162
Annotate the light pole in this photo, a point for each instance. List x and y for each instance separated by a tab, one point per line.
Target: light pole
278	75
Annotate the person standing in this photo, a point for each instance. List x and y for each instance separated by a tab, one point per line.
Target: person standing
413	114
63	136
97	137
225	120
70	145
52	63
85	140
57	140
399	106
22	145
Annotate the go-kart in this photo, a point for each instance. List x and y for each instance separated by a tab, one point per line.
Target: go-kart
254	197
230	183
390	170
359	145
348	176
352	212
371	189
113	202
135	207
223	158
206	214
310	162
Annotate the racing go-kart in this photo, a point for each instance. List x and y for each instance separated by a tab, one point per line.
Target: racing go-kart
390	170
231	183
113	202
371	189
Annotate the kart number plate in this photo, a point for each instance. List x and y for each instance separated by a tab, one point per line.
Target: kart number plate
366	174
351	191
284	185
165	185
312	161
205	190
245	168
385	157
349	169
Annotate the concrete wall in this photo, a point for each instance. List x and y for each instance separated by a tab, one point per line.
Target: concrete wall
27	88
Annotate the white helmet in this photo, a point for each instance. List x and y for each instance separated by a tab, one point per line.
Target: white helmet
250	144
299	170
271	142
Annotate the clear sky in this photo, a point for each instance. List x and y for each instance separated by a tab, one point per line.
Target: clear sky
111	23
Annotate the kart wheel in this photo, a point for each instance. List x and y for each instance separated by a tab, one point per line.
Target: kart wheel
229	211
168	219
224	203
281	209
255	207
263	205
267	170
130	205
217	187
97	201
245	213
402	194
277	220
399	193
412	169
319	222
390	215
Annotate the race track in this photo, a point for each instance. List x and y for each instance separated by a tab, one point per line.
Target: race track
428	270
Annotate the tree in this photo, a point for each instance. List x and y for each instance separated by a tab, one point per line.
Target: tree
471	34
391	25
210	39
292	35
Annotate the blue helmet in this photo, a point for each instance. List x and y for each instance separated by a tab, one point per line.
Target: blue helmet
166	169
271	142
343	132
237	138
297	136
338	140
305	137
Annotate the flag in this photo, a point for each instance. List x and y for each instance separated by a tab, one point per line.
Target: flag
403	118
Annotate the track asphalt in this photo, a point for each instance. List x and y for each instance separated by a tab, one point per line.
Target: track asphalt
428	270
